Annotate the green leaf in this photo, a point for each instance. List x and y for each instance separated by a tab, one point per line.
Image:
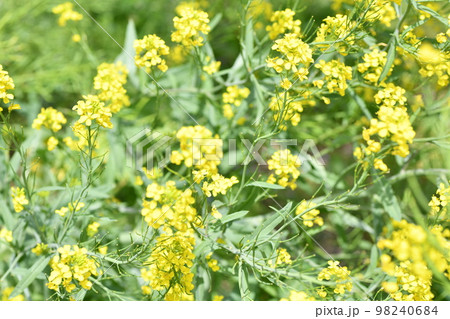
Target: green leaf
265	185
243	282
272	222
128	53
234	216
389	60
433	13
386	196
32	273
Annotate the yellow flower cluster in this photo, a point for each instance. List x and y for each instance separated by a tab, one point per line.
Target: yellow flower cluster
81	132
92	109
92	229
286	108
66	13
218	185
52	142
233	96
189	26
109	81
199	149
212	263
298	296
391	95
294	53
7	292
168	269
439	201
434	62
49	118
311	217
336	30
336	76
71	266
70	208
283	21
411	249
373	65
338	274
381	10
18	198
212	68
392	121
40	249
149	52
6	235
283	258
168	206
285	169
6	83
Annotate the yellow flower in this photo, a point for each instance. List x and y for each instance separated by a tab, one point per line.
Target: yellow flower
411	249
71	266
379	164
169	206
218	185
298	296
336	75
40	249
18	198
215	213
149	52
92	109
49	118
70	207
103	250
439	201
373	65
109	81
336	30
338	274
235	95
212	68
7	292
189	26
76	38
168	269
6	235
92	229
311	217
52	142
6	83
217	298
283	21
381	10
66	13
285	169
294	53
283	258
212	263
199	149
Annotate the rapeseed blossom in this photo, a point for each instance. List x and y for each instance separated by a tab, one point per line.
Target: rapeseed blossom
66	13
92	109
149	52
336	76
311	217
336	30
18	198
190	27
285	169
282	22
338	274
6	234
49	118
168	269
411	249
71	268
6	84
109	81
218	185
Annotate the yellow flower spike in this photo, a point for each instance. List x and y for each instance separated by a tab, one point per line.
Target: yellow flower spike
66	13
285	169
189	27
149	52
40	249
18	198
282	22
6	235
92	229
